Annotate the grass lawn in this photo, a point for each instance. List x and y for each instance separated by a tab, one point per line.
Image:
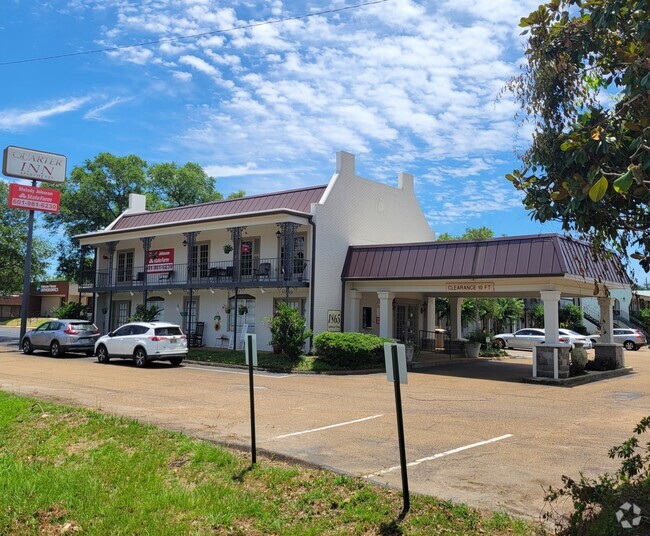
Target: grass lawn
32	322
268	360
65	470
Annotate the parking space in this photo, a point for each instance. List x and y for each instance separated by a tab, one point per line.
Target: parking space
492	444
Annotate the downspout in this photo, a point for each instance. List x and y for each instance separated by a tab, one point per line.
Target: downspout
312	277
342	304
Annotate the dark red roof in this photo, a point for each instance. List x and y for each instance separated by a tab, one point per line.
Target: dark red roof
290	200
518	256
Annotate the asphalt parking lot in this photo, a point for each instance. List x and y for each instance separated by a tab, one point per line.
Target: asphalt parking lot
474	432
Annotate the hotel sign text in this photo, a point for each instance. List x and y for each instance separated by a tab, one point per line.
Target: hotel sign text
470	286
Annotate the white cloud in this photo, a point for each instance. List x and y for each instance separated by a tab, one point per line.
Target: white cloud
13	120
96	113
199	64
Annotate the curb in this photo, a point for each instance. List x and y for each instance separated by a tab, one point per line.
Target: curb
590	377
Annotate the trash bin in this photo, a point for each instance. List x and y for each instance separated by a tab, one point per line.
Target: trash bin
441	334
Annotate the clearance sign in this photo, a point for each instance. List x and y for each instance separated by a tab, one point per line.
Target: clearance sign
469	286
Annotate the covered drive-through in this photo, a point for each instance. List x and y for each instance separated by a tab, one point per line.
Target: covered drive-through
387	287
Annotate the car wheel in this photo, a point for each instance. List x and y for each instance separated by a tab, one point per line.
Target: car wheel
140	357
176	361
27	347
499	343
102	354
55	349
629	345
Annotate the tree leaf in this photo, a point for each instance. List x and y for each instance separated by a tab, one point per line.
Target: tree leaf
598	190
623	183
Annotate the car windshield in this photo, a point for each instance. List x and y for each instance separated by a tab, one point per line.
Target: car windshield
168	331
84	327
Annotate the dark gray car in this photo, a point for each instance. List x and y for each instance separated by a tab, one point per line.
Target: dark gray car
61	336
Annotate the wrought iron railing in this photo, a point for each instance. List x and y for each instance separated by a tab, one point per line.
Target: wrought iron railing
259	272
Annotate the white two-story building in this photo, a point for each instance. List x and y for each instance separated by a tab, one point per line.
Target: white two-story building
227	263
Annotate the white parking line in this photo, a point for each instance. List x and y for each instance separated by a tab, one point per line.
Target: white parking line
328	427
240	373
440	455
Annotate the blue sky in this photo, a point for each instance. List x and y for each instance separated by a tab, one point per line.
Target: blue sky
406	85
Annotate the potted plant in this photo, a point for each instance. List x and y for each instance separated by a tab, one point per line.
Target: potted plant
227	248
243	309
227	308
474	341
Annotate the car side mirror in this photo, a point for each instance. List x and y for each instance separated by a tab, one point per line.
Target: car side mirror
111	334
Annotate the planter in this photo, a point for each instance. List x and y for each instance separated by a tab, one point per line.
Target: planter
578	359
410	350
472	349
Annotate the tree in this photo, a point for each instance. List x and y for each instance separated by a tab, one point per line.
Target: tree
585	90
175	186
97	192
13	244
288	330
471	233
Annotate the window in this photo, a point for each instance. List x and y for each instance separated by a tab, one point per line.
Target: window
124	266
201	260
298	254
249	258
295	303
121	313
245	312
366	317
192	310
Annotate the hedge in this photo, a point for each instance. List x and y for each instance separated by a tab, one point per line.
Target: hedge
349	349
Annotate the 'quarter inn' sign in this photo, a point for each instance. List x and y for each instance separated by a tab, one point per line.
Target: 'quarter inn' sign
34	165
461	286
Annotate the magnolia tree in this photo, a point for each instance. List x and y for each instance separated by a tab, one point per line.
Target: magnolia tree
585	89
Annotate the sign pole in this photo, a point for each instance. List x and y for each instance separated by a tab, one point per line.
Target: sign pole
400	431
251	357
28	275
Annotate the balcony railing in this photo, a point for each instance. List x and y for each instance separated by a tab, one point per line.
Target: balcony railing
262	272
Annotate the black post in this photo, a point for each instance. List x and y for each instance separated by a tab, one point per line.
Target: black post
27	275
400	432
252	397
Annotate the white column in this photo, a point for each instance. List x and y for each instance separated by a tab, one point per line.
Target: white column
455	322
353	313
606	319
551	299
431	314
385	313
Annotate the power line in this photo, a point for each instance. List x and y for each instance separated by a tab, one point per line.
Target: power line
193	36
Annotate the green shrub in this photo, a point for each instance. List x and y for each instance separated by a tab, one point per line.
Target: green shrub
71	310
288	331
596	502
144	314
347	349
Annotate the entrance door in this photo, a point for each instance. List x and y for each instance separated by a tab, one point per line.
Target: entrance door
192	308
406	323
121	313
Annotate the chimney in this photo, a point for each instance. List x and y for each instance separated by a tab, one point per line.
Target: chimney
137	203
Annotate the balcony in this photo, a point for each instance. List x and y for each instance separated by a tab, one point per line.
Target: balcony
260	273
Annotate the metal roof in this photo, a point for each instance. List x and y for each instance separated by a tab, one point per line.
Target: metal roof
290	200
518	256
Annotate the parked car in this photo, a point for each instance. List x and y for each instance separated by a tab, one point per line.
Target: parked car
61	335
529	337
631	339
143	342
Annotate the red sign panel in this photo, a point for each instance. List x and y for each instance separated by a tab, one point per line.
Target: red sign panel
34	198
160	260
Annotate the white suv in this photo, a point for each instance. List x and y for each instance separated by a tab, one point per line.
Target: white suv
143	342
631	339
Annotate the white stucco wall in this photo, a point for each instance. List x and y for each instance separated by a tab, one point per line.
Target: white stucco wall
358	211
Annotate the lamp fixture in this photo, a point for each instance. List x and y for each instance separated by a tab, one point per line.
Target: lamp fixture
262	290
169	292
278	233
211	291
131	292
185	243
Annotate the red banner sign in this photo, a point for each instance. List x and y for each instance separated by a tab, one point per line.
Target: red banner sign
160	260
34	198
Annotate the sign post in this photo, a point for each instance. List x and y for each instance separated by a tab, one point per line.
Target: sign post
395	356
35	166
250	351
